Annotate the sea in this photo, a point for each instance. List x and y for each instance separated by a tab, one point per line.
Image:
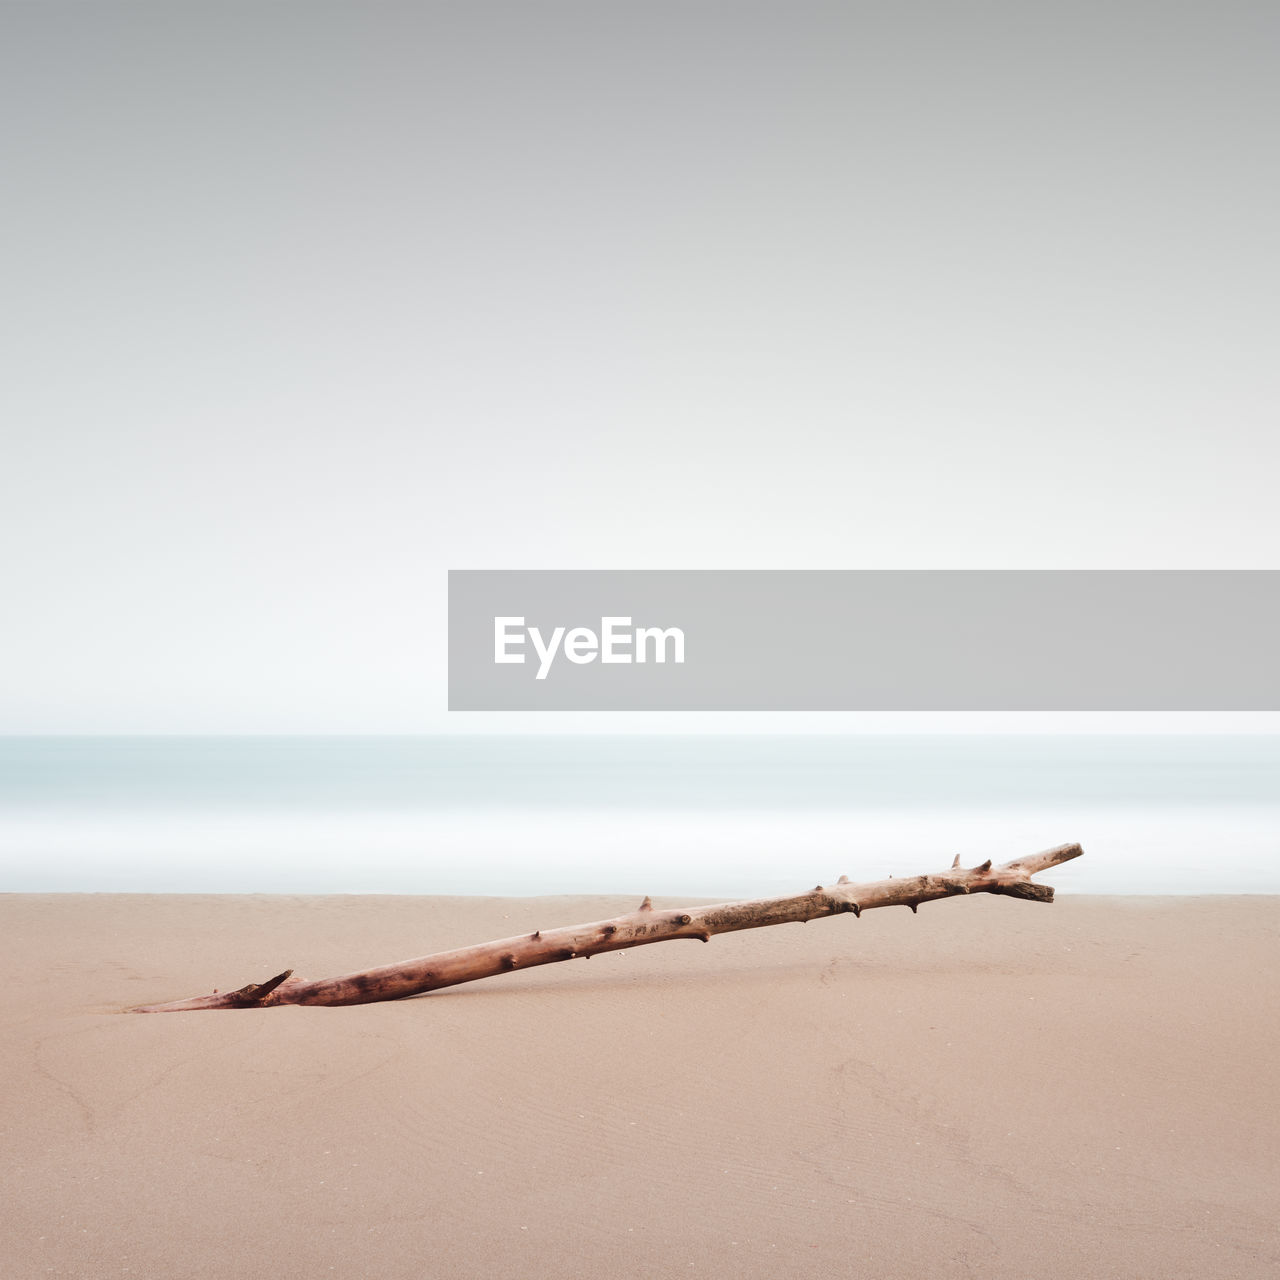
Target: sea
701	815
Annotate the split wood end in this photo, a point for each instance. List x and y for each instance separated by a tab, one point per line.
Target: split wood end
255	992
1026	889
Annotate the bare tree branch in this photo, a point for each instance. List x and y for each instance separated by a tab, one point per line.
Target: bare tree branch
638	928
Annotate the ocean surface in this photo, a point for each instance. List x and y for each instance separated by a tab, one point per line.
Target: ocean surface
698	815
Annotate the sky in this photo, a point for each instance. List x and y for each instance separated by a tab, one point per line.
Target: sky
305	304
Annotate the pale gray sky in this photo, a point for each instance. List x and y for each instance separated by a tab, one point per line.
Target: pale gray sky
305	303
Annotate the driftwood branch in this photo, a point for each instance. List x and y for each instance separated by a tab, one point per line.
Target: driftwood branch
642	926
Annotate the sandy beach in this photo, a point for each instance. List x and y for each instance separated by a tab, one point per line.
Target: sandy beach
991	1088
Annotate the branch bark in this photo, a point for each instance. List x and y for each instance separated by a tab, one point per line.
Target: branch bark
638	928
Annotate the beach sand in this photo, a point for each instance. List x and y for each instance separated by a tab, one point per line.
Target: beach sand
991	1088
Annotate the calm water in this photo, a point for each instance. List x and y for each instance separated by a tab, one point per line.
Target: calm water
699	815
